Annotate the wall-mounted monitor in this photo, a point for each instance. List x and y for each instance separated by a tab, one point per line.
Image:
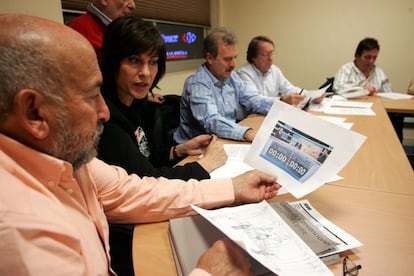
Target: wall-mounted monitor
183	42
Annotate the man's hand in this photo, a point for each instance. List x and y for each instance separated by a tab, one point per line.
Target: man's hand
249	135
225	258
254	186
319	99
371	89
293	99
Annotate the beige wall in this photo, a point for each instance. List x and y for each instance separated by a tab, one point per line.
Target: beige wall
51	9
313	38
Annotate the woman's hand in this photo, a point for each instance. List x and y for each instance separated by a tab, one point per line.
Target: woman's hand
214	156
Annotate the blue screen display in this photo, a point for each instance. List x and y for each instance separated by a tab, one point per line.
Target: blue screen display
183	42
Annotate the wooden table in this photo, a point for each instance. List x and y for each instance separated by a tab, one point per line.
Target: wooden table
399	106
374	203
383	222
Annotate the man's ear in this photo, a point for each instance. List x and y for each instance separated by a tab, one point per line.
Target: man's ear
209	58
30	107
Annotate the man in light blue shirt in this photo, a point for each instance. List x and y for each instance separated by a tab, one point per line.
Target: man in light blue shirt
261	73
214	99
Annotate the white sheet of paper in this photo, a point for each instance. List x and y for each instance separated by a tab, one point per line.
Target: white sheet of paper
350	111
350	104
311	95
336	105
235	164
394	95
337	120
301	150
345	240
262	233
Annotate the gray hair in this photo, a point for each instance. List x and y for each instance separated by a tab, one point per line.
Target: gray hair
216	35
27	63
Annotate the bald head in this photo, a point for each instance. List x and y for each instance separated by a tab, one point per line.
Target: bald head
20	26
40	54
50	88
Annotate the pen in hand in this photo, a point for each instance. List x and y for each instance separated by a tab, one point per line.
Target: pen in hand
300	93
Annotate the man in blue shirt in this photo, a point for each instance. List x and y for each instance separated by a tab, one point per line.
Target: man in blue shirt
214	99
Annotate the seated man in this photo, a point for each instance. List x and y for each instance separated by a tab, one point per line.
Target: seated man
99	14
58	198
363	72
263	75
214	99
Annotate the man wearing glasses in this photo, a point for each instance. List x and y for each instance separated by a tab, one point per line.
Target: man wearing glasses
267	78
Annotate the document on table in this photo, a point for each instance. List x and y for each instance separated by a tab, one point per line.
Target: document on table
339	105
301	150
344	240
349	111
394	95
265	236
337	120
311	95
235	164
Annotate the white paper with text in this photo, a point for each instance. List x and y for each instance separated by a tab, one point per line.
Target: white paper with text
262	233
302	150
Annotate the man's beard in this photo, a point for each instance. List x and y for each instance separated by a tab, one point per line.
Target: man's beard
72	146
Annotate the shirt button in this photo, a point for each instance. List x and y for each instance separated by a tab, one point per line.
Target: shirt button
69	191
51	183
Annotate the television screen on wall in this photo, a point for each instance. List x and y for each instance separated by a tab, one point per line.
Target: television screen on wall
184	42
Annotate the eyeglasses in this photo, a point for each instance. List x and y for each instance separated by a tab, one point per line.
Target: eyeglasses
350	268
267	54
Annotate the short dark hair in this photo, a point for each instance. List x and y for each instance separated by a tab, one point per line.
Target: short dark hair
367	44
253	48
217	34
126	36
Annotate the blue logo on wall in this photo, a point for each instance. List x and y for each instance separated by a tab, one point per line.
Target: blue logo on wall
189	37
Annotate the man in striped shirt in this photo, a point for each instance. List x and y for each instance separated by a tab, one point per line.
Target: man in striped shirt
363	71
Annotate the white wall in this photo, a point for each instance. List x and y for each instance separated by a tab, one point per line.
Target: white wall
313	38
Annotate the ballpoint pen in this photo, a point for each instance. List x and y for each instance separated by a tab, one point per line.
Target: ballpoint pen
300	93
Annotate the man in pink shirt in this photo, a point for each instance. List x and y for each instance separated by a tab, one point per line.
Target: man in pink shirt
57	197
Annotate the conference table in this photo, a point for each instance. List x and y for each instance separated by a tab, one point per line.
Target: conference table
374	203
399	106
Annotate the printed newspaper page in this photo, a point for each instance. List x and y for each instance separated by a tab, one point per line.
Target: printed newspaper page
262	233
302	150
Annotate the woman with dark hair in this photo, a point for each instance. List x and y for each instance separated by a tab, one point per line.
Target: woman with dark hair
132	61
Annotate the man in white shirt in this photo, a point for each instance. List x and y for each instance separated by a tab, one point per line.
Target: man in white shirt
363	71
263	75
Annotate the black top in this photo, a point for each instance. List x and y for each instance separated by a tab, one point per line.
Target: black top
135	139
